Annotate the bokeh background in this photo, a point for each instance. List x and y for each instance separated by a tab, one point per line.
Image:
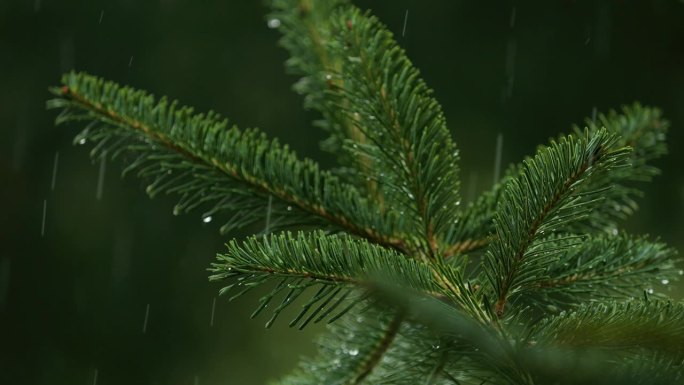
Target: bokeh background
74	293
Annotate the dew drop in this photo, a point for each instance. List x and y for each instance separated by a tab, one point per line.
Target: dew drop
206	219
82	141
353	352
665	281
289	208
328	77
273	23
681	272
649	290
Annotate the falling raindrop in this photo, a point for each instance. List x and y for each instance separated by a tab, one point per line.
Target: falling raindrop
130	62
95	377
196	380
273	23
101	16
665	281
497	157
37	5
593	114
101	175
511	21
42	227
213	311
147	316
403	31
207	219
54	171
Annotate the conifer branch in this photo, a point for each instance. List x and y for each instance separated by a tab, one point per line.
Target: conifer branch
373	359
542	199
405	127
307	35
313	260
627	326
603	266
243	163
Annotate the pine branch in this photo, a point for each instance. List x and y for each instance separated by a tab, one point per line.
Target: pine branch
207	163
544	198
337	265
414	158
603	266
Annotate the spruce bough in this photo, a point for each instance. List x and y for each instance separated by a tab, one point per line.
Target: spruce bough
531	283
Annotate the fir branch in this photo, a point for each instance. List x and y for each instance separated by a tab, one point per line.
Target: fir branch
214	162
414	157
630	325
641	128
318	260
371	348
644	130
603	266
374	358
543	199
307	34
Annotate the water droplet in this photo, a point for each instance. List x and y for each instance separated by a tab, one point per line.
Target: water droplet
206	219
649	290
665	281
82	141
328	77
614	231
354	59
681	272
273	23
101	16
289	208
353	352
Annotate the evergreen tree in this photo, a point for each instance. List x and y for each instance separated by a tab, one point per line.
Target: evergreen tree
532	282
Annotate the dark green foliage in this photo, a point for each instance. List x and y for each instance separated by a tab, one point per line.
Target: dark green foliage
532	282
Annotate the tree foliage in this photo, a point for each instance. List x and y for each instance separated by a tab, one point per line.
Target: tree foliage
532	282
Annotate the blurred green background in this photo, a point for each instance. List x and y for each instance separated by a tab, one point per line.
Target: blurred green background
73	300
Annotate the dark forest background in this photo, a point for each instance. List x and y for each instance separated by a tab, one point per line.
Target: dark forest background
73	295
